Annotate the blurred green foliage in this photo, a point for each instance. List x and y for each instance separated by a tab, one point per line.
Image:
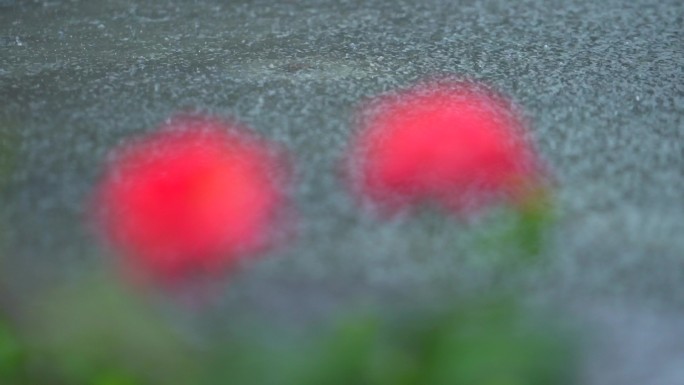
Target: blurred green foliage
11	348
474	344
516	235
96	333
11	355
534	218
100	335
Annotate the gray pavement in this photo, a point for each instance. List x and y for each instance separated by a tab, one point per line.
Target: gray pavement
601	81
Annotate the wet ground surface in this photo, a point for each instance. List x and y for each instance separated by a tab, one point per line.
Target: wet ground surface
601	82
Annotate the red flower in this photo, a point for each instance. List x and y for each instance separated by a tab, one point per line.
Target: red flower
452	144
194	196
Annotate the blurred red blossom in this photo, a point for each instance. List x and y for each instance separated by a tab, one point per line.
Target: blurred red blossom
193	197
455	144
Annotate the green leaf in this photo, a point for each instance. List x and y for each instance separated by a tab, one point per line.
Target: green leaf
97	333
11	355
345	355
516	236
490	344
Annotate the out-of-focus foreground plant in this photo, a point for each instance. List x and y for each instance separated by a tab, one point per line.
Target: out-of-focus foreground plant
102	336
461	149
98	334
11	355
11	349
483	343
159	211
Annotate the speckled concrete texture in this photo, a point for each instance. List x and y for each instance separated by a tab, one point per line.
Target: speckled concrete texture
601	81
